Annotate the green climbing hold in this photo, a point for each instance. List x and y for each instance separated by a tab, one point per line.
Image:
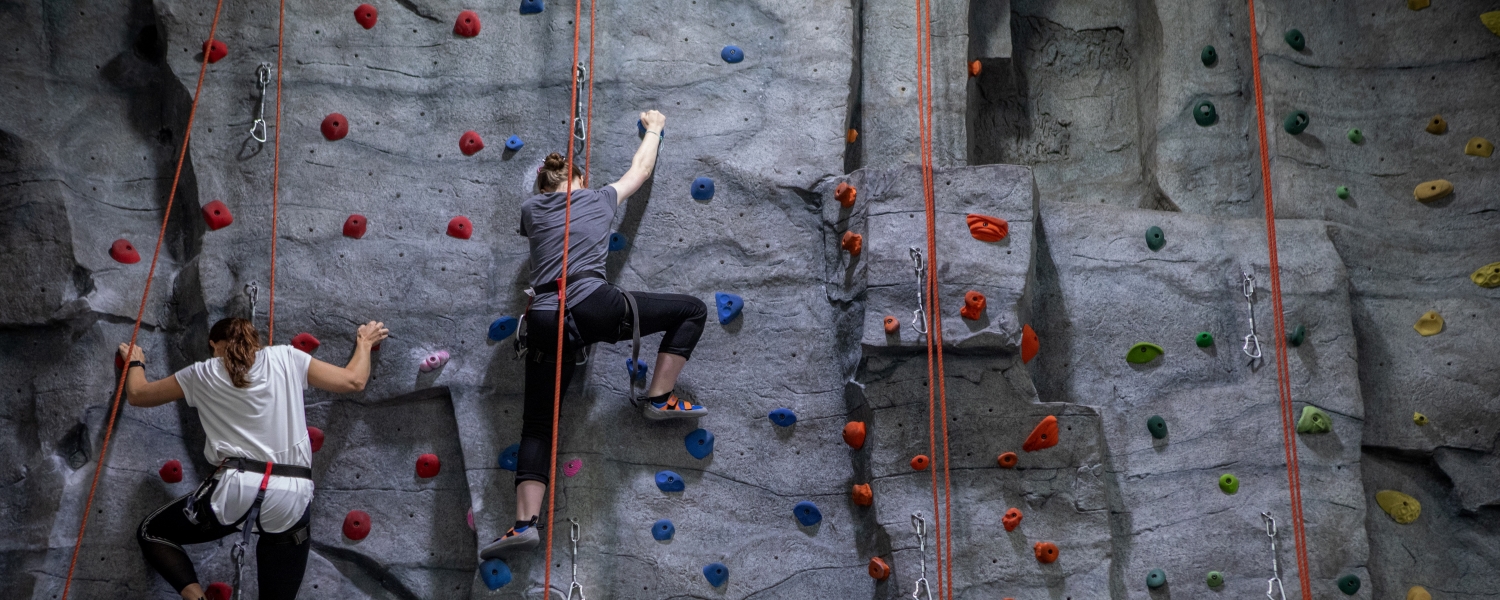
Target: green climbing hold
1295	123
1215	579
1296	40
1209	56
1143	352
1356	136
1156	578
1297	336
1204	339
1228	483
1157	426
1343	192
1349	584
1204	113
1155	239
1314	420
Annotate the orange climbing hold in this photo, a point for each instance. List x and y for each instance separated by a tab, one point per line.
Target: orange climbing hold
854	434
879	570
845	194
1046	552
920	462
975	68
892	324
1008	460
1044	436
1029	344
862	494
851	136
853	242
1012	519
973	305
986	228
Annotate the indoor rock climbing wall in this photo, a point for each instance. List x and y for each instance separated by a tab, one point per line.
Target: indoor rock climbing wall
1079	127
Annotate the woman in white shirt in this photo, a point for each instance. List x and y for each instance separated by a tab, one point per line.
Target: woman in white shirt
249	399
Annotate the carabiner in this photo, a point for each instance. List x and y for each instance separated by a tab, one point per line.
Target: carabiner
258	128
919	316
1247	287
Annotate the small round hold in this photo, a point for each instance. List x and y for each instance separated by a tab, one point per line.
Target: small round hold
356	525
703	189
1343	192
1228	483
1296	122
807	513
618	241
428	466
171	472
1349	584
1204	113
1215	579
215	50
1156	578
1046	552
335	127
732	54
314	438
1204	339
1419	418
514	143
1157	426
975	68
1356	136
1296	40
1155	238
920	462
879	570
1209	56
663	530
366	15
892	325
783	417
1297	336
716	574
495	573
469	143
1008	460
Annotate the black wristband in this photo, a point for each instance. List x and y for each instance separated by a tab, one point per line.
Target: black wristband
135	363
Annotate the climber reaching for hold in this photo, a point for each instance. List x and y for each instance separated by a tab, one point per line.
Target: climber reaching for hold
597	311
249	399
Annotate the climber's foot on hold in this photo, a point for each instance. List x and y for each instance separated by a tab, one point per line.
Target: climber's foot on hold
669	406
518	539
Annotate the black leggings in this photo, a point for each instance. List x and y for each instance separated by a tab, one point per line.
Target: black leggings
280	561
601	317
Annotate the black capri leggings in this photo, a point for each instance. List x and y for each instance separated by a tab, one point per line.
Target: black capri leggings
601	317
280	561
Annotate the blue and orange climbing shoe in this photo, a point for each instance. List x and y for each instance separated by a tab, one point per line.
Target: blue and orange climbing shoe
673	408
513	541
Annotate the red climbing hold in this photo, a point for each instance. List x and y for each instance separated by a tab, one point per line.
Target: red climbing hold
862	494
428	466
460	227
1029	344
218	590
123	252
854	434
892	324
1008	460
986	228
973	305
216	215
469	143
306	342
335	127
356	525
845	194
853	242
119	362
216	50
315	438
879	570
1011	519
354	226
366	15
1046	552
1044	436
467	24
919	462
171	472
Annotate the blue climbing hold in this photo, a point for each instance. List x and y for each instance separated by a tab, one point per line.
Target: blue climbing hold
636	368
618	241
716	574
729	306
503	327
703	189
807	513
670	482
732	54
783	417
663	530
700	443
514	143
495	573
509	456
640	129
531	7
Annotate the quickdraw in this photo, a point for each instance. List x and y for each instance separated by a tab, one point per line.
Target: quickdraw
1247	287
573	534
920	525
1274	583
263	77
919	316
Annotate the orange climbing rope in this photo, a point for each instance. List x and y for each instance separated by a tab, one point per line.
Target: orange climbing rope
1283	376
275	180
140	313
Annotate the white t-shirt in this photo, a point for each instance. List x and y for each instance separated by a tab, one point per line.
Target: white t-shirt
263	422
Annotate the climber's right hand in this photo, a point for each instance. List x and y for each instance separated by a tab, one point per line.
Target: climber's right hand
372	333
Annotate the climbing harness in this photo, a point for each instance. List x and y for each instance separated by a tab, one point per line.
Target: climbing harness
919	316
573	534
920	525
262	77
252	516
580	129
1247	287
1274	583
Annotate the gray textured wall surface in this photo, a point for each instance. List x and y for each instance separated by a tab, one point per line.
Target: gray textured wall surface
1078	132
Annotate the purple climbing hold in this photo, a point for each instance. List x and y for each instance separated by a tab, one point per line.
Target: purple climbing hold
700	444
783	417
670	482
434	361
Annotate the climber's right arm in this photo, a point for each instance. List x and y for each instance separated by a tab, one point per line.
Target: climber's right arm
644	161
353	376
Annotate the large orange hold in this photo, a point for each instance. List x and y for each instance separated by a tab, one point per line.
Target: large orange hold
986	228
1046	552
1044	436
974	304
1029	344
1012	519
862	494
920	462
853	242
845	194
854	434
1008	460
879	570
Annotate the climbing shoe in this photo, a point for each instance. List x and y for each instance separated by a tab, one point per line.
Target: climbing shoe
512	541
674	408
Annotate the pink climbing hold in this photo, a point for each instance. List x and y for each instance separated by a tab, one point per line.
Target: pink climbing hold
335	127
314	438
216	50
123	252
470	517
470	143
467	24
354	226
171	472
571	467
216	215
218	590
366	15
306	342
460	227
356	525
428	466
434	361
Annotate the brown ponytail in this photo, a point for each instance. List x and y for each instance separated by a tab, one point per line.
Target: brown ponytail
242	342
550	177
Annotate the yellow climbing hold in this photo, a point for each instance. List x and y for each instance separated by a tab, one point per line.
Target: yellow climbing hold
1418	592
1479	147
1430	323
1492	21
1427	191
1487	276
1437	125
1418	4
1401	507
1419	418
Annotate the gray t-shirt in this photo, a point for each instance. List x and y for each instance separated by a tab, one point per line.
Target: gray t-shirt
542	218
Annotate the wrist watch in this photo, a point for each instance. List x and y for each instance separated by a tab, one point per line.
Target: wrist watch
135	363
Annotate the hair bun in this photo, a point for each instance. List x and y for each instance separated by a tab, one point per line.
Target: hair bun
556	161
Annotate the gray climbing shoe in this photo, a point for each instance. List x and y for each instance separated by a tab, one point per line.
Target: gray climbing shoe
674	408
511	542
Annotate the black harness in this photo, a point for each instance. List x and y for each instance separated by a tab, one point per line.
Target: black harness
573	338
296	535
